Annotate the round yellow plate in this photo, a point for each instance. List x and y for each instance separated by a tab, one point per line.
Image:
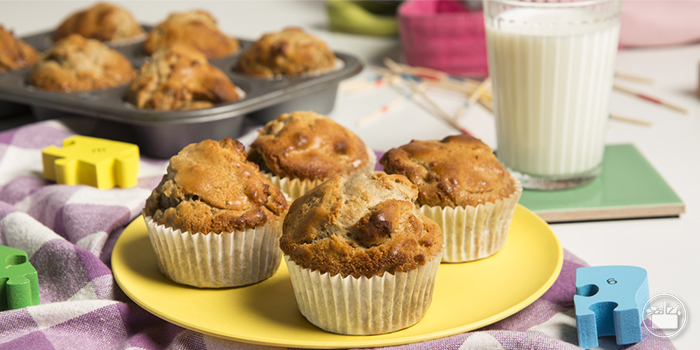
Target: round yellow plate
467	296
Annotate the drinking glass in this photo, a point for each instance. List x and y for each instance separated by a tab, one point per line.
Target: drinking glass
551	67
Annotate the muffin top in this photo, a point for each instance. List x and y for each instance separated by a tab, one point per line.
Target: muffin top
289	52
308	145
196	28
459	170
210	187
179	77
103	22
79	64
15	53
364	225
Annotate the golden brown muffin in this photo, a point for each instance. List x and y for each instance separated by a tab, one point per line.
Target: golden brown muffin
180	78
104	22
79	64
459	170
15	53
210	187
360	226
289	52
196	28
308	145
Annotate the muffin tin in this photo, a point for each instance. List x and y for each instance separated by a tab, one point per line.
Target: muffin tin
161	134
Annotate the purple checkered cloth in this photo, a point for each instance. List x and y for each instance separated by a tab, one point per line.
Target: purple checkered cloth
68	233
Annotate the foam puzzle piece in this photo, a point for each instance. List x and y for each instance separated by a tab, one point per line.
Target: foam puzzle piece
19	281
92	161
610	300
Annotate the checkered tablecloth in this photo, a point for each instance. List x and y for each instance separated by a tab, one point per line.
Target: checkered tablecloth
68	233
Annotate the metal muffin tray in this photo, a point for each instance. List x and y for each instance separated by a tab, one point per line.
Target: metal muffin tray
161	134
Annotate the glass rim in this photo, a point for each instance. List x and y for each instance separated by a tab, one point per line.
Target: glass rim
522	3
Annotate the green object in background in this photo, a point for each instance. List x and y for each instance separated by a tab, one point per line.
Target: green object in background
628	187
19	281
363	17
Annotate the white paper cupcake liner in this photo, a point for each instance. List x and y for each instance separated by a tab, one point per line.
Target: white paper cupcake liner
217	260
473	233
363	306
296	188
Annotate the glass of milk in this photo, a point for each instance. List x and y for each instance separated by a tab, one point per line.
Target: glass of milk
551	68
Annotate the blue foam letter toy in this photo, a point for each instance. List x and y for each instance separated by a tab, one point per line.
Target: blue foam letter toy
610	300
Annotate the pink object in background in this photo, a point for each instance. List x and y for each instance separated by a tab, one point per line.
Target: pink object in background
443	35
659	22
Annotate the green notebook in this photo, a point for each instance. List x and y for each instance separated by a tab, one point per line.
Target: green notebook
628	187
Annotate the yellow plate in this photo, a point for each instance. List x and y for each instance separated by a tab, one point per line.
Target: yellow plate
467	296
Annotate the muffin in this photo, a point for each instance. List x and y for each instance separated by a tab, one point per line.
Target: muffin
196	28
290	52
79	64
463	187
299	150
104	22
361	257
179	77
15	53
215	221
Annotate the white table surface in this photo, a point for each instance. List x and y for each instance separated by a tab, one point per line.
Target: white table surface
668	248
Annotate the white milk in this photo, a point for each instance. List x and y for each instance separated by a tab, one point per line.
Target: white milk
551	89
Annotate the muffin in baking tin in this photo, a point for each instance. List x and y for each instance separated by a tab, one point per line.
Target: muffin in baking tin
180	77
288	53
196	28
103	21
79	64
15	54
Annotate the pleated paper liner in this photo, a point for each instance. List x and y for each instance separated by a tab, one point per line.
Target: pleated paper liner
363	306
217	260
473	233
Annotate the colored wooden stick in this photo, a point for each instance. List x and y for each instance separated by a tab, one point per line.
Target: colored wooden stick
358	85
633	78
474	97
416	90
650	99
395	103
630	120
